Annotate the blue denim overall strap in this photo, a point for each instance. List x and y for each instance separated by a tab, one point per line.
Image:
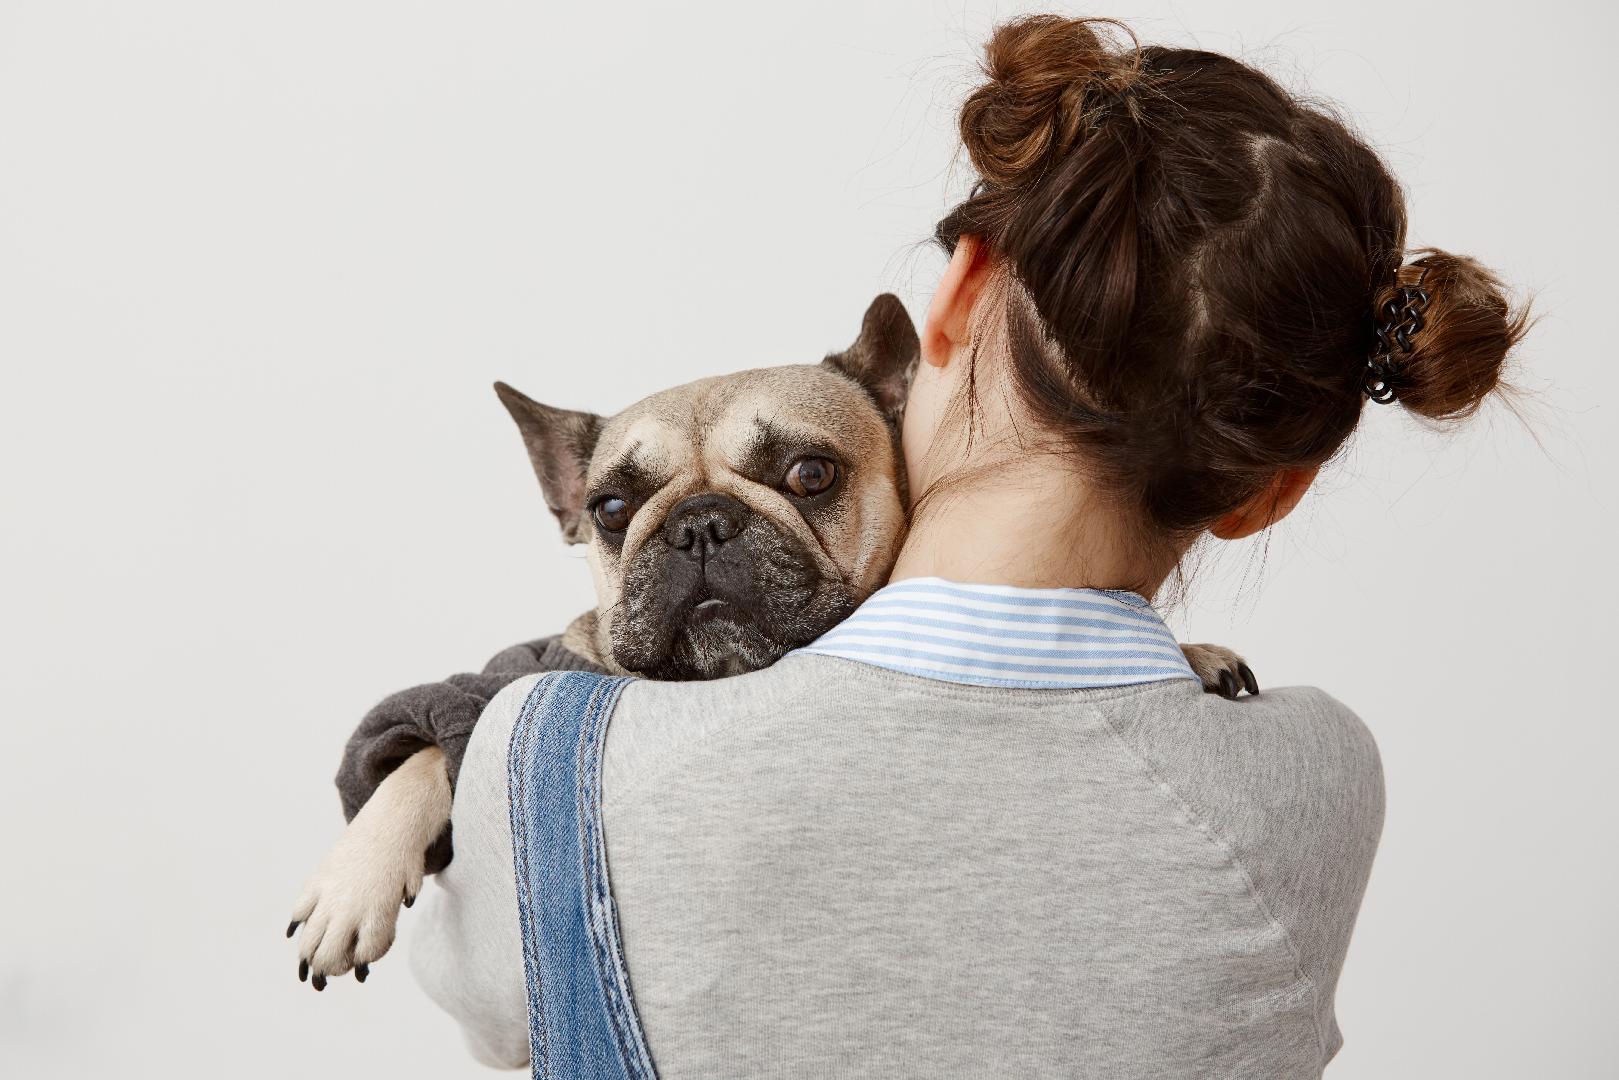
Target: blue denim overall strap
581	1019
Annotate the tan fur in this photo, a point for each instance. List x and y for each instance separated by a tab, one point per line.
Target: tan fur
694	436
350	905
697	434
1209	662
582	639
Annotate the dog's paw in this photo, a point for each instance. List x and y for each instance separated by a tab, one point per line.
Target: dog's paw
1222	671
350	906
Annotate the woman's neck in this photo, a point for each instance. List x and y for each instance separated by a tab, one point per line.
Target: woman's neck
1029	522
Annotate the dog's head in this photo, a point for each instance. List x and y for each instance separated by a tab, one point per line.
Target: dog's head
735	518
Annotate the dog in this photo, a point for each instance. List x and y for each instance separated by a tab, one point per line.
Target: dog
727	522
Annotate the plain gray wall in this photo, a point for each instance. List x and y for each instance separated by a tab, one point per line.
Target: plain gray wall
260	262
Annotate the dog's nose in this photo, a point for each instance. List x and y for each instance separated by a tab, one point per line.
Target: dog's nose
701	523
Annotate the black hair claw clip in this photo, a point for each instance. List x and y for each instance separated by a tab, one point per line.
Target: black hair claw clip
1399	320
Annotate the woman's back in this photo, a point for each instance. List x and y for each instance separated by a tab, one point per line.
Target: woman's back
828	868
1171	292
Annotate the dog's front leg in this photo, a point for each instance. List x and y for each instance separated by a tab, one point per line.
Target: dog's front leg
350	906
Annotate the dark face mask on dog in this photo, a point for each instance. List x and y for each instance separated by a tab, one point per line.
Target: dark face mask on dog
733	519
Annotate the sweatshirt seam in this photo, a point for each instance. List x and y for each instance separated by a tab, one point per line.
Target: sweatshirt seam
1228	848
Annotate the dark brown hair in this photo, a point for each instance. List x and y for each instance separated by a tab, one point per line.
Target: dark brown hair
1198	259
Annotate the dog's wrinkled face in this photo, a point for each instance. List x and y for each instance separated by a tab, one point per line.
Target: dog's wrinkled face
735	518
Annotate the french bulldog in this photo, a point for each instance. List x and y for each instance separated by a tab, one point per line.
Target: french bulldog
735	518
727	522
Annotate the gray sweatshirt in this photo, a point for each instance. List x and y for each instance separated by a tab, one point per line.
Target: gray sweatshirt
830	869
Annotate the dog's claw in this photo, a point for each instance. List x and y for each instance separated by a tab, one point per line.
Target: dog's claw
361	971
409	900
292	927
1248	680
1228	685
318	982
303	971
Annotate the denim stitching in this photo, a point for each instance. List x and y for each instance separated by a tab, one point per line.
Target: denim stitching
603	916
573	708
517	777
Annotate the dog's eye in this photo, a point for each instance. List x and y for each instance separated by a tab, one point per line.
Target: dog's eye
613	513
811	476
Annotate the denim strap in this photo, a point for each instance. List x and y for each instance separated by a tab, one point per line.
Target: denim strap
581	1018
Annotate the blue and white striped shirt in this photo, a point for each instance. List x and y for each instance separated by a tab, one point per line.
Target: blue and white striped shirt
1003	635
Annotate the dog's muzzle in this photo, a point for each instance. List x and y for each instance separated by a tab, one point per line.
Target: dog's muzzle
719	589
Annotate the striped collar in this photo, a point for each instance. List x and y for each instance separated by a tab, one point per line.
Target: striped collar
1003	635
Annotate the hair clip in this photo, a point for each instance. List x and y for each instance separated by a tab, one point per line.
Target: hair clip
1401	318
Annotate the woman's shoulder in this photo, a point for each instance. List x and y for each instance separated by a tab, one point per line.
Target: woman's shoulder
1286	758
1303	709
656	724
1284	746
1290	783
1304	726
1309	734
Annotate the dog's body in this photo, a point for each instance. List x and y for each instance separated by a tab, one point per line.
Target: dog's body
728	522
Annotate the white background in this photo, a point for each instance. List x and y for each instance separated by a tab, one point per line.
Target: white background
260	263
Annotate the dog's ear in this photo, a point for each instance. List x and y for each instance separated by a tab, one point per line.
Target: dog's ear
884	356
560	445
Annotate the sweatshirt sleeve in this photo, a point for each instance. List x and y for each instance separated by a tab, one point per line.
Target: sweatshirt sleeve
440	714
1292	784
464	943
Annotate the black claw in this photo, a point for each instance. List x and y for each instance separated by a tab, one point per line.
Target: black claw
1248	679
409	900
361	971
318	982
303	971
1228	685
292	927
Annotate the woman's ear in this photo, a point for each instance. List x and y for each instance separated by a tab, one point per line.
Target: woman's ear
1273	504
950	314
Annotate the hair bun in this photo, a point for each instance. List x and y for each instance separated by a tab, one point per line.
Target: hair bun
1470	327
1040	70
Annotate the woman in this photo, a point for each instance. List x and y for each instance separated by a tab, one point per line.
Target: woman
989	826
